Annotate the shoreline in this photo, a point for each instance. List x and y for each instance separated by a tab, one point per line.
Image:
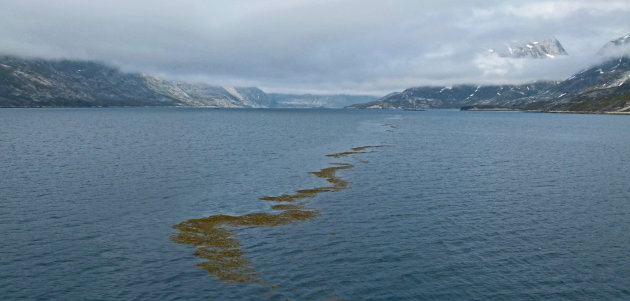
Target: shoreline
493	110
210	107
580	112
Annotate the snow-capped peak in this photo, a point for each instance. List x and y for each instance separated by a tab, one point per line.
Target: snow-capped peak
550	48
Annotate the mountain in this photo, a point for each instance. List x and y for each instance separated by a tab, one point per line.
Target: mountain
37	82
316	101
26	83
537	49
59	83
476	95
602	88
456	96
203	95
617	47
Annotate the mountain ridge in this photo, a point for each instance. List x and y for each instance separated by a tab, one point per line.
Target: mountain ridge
71	83
604	87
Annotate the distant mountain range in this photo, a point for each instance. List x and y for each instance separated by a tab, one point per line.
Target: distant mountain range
315	101
62	83
601	88
454	96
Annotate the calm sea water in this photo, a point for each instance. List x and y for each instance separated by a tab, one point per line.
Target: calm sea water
458	206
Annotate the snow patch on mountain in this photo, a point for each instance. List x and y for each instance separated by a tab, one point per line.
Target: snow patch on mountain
516	56
550	48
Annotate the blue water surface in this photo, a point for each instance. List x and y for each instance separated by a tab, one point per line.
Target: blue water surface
459	206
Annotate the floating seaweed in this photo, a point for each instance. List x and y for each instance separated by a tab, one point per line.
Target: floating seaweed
218	244
355	150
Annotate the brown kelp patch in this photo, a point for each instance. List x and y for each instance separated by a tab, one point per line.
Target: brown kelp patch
217	243
361	148
355	150
339	155
327	173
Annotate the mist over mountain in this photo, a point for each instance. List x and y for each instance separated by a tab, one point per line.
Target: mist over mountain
455	96
617	47
318	46
61	83
39	82
603	87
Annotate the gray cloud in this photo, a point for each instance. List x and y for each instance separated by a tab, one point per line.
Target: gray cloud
314	45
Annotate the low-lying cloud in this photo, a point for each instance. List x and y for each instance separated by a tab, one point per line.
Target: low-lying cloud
320	46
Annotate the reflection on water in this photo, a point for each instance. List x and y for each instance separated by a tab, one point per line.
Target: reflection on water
216	240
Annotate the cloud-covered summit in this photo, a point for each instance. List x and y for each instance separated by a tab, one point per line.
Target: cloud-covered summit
616	47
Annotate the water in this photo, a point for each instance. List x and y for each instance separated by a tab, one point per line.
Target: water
458	206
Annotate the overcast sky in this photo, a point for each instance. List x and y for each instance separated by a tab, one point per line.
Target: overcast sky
321	46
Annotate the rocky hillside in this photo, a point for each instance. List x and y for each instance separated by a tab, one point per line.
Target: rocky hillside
28	83
36	82
601	88
46	83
